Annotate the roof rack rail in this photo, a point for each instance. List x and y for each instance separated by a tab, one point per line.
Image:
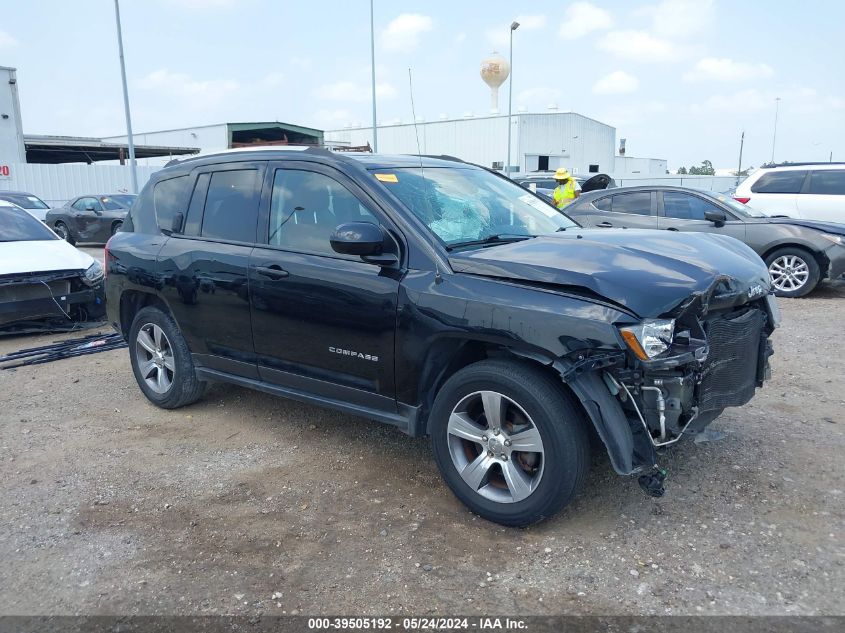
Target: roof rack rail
804	164
312	149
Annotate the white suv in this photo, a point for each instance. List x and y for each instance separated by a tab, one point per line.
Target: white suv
812	191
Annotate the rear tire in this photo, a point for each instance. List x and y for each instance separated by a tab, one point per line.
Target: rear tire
116	226
161	360
63	232
484	468
794	271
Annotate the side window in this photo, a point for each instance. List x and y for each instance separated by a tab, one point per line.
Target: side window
169	198
305	209
79	205
683	206
98	206
827	182
603	204
194	219
231	206
638	203
779	182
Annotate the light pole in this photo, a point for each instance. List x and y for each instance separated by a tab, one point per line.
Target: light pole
514	27
133	166
739	168
775	132
373	65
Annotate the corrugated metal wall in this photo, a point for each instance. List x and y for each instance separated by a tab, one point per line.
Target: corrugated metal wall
55	184
479	140
568	139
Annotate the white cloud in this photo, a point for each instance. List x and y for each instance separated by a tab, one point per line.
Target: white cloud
794	100
354	92
723	69
500	35
6	40
460	38
680	18
405	31
638	46
183	85
618	82
582	18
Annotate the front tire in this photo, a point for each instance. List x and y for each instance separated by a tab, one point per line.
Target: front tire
794	272
510	441
116	226
63	232
161	360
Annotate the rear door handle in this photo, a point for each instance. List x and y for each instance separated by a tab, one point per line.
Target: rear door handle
605	225
274	271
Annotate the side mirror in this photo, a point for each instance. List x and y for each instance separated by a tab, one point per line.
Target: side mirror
716	217
89	206
357	238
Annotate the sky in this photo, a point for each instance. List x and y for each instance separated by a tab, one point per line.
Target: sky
679	79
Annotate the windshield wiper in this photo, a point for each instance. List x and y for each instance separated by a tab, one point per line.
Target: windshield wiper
498	238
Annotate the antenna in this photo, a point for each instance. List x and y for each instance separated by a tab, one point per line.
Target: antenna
414	114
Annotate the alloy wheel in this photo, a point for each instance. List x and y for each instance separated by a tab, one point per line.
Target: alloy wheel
62	231
789	273
154	355
495	447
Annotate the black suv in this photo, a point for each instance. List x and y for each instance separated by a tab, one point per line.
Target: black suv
444	299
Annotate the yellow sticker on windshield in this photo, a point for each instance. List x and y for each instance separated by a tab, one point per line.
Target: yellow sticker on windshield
387	177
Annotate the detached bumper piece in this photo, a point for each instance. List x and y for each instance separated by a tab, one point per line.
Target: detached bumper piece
45	302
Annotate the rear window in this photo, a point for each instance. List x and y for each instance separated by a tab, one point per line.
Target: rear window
16	225
25	201
633	203
231	206
826	182
170	197
779	182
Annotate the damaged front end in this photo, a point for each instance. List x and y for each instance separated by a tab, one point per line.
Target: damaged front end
678	372
51	301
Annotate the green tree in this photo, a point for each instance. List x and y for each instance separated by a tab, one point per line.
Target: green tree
706	169
682	170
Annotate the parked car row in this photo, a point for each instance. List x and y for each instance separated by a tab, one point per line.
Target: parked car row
87	218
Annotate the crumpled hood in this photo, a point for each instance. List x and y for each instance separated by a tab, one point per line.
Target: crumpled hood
649	272
41	256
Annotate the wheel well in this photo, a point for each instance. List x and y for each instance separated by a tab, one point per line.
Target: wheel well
443	362
131	302
821	258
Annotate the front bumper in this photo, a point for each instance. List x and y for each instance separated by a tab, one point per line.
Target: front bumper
716	361
44	301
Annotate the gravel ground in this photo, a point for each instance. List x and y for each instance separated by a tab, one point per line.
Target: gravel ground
245	503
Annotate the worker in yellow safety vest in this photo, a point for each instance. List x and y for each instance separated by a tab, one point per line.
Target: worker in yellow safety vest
567	189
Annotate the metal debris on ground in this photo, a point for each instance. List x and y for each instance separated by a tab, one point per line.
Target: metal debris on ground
68	348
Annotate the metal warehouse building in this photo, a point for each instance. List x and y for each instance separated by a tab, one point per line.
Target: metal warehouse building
539	141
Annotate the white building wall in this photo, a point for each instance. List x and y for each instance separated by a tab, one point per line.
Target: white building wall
481	140
631	166
12	148
208	138
568	139
56	184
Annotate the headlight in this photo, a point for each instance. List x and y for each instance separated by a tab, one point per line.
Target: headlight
836	239
649	338
93	274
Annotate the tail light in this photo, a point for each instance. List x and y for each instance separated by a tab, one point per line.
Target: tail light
742	200
106	259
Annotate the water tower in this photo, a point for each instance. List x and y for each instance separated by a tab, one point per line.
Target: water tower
494	70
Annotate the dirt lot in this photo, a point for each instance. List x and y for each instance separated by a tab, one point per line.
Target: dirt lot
245	503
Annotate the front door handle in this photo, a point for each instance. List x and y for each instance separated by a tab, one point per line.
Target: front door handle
274	271
605	225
